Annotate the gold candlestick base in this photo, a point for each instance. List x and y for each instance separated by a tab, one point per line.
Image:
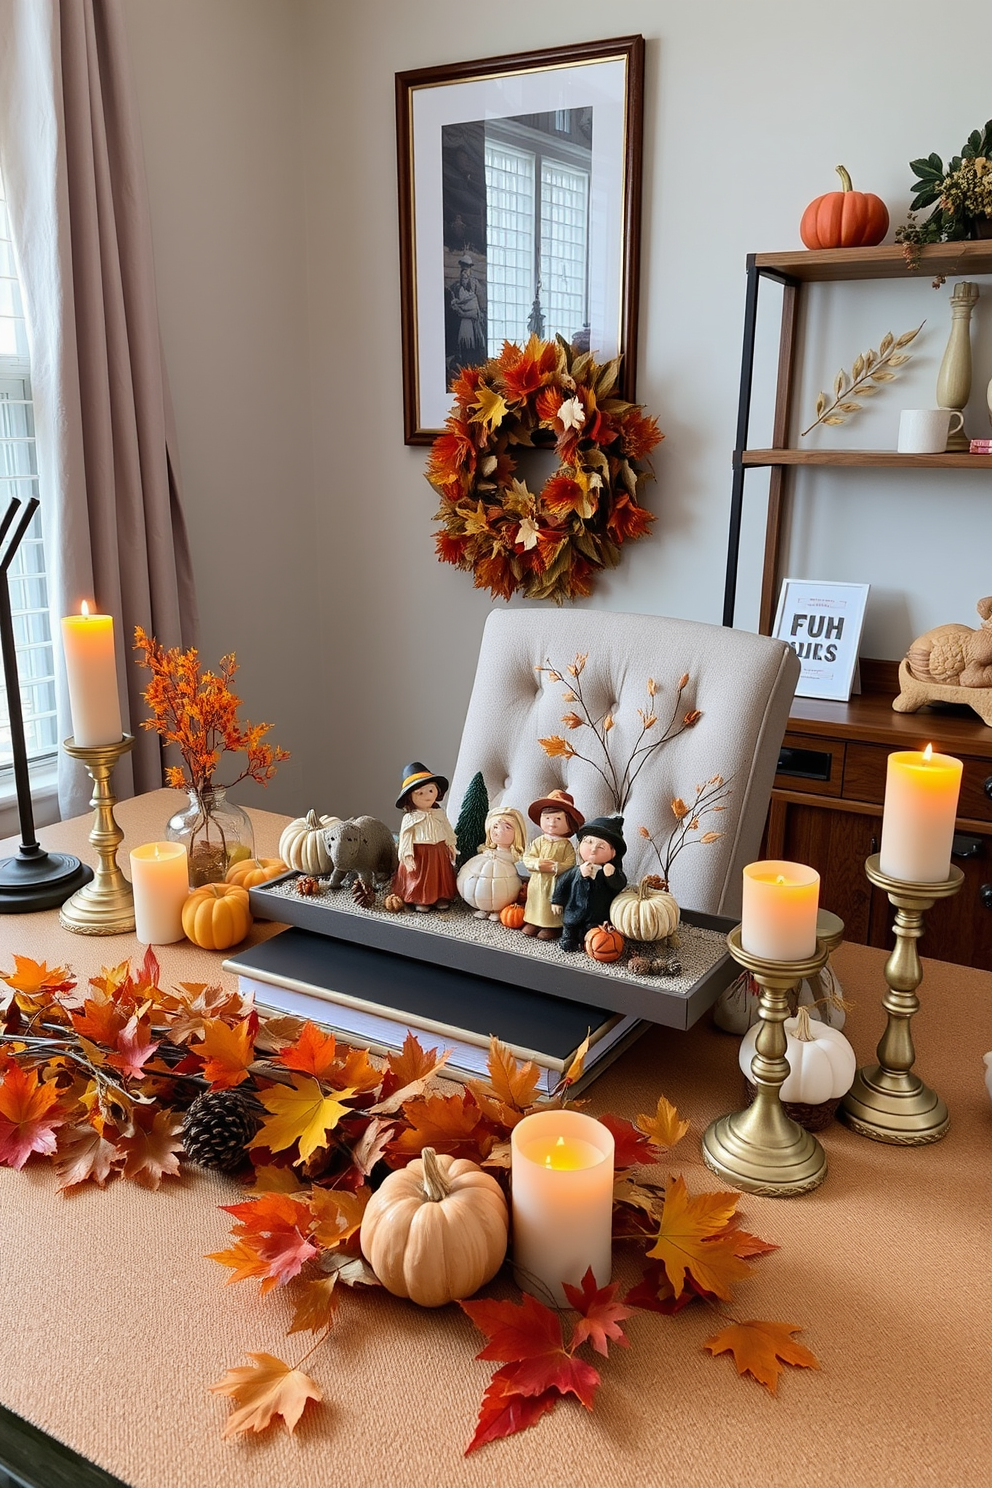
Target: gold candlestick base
888	1102
761	1149
105	906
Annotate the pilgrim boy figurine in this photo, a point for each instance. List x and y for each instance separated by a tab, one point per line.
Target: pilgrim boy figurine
582	895
425	877
547	856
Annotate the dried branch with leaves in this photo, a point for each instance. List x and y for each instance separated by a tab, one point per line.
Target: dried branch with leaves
618	779
871	368
710	797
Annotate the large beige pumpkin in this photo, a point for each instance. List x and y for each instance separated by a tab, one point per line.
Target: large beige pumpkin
436	1230
645	913
489	882
302	843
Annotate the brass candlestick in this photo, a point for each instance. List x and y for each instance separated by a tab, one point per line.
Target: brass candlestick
762	1149
887	1102
105	906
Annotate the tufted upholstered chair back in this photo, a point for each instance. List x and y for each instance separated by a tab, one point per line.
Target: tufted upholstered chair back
743	685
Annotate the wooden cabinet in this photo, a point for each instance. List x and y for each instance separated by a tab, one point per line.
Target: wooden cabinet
826	810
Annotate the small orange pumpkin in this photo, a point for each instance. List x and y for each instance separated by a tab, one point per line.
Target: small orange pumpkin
255	871
394	904
844	219
604	943
512	916
216	916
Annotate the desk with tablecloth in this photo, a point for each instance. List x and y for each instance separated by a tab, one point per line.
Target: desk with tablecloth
114	1323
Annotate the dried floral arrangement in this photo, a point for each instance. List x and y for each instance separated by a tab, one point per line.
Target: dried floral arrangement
618	777
123	1076
961	195
548	544
870	372
711	797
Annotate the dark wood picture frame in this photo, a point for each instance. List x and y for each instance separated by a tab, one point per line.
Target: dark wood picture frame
441	116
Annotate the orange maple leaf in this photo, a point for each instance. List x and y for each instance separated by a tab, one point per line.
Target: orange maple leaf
448	1123
338	1214
272	1239
758	1347
413	1062
29	1115
84	1154
692	1237
269	1388
100	1021
316	1306
313	1053
150	1149
36	977
227	1052
665	1128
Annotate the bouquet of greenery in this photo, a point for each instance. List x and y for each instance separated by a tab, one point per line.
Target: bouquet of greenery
961	195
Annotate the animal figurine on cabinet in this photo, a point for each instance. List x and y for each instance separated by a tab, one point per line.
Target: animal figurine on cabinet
950	664
362	846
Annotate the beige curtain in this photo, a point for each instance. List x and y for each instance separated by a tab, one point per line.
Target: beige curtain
108	475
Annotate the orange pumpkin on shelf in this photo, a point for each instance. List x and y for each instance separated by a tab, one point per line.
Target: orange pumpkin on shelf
512	916
845	218
216	916
604	943
253	871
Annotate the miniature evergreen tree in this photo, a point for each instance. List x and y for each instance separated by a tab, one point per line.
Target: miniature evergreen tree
471	826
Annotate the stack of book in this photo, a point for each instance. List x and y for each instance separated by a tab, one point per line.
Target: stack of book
372	998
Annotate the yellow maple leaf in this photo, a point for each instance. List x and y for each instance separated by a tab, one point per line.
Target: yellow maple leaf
32	977
316	1306
490	406
690	1239
301	1113
665	1128
268	1388
758	1347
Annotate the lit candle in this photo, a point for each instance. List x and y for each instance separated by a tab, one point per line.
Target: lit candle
921	802
160	880
778	918
562	1190
91	671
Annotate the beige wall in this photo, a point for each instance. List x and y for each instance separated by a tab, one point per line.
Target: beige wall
269	132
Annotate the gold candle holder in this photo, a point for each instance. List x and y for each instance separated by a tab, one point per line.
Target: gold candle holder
762	1149
888	1102
105	906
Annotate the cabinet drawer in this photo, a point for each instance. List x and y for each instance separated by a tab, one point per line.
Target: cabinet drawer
864	780
810	765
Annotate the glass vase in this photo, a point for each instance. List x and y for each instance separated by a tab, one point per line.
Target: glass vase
215	832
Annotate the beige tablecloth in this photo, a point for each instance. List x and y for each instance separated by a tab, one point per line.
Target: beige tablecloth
114	1322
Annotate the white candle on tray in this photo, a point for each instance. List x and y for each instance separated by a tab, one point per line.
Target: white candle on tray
778	919
160	881
91	672
562	1193
921	802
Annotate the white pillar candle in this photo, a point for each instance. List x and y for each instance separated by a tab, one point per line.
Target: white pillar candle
778	918
921	802
160	881
91	671
562	1193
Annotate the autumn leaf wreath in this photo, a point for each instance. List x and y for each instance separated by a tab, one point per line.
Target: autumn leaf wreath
549	544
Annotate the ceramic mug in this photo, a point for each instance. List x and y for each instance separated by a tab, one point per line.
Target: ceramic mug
925	431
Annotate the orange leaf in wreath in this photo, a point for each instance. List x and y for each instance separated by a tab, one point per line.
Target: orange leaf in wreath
758	1349
638	435
266	1389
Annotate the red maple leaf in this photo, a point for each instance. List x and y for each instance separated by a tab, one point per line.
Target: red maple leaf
133	1048
601	1314
29	1115
271	1239
655	1293
537	1366
631	1146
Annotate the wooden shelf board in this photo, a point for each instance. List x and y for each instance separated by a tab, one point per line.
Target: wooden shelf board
879	459
870	718
823	265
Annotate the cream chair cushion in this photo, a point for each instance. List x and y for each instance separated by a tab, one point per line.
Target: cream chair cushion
743	685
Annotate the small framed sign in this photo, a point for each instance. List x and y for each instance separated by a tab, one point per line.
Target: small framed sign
822	622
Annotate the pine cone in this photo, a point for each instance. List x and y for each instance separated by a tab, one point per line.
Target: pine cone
307	885
218	1128
363	893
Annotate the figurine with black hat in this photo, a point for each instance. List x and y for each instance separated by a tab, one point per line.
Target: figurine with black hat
425	877
547	856
582	895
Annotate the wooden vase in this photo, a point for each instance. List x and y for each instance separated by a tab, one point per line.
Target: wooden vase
954	377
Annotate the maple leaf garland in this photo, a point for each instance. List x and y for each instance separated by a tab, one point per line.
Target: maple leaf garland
98	1080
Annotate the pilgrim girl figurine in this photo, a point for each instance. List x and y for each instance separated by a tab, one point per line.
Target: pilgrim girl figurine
583	895
548	855
425	877
489	881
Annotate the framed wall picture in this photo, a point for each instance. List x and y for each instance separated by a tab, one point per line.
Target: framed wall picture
822	622
519	209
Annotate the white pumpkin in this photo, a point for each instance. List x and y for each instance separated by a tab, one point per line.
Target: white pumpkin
489	881
302	843
822	1064
736	1009
645	912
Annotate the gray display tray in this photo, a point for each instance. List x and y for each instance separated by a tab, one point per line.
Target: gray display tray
458	940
